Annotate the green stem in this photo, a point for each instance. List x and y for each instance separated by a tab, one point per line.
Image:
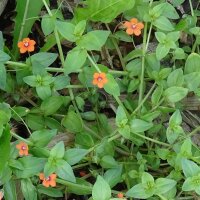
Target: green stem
20	138
148	38
21	120
24	20
59	47
56	35
195	45
93	63
152	140
141	88
194	131
145	98
114	137
121	104
191	8
61	70
117	49
17	64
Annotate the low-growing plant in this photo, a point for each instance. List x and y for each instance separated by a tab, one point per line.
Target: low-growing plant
96	106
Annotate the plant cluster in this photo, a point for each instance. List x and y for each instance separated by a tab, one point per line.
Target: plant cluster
94	107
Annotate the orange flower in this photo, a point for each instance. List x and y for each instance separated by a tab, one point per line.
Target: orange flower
23	149
120	195
133	27
99	79
82	173
1	195
26	45
49	181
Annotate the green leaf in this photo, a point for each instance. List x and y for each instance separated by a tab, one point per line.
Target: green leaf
28	190
20	32
4	57
175	78
101	190
161	37
163	185
75	60
93	40
192	63
138	125
190	168
10	190
103	10
112	87
175	94
189	184
43	91
161	51
175	119
72	122
73	156
40	61
65	171
108	161
42	137
51	192
50	105
80	28
31	166
163	24
5	148
121	118
113	176
192	80
147	178
186	148
139	192
125	131
3	76
58	150
173	133
155	98
66	29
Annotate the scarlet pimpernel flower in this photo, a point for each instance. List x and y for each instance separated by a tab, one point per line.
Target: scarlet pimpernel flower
1	195
133	27
48	181
99	79
26	45
120	195
23	149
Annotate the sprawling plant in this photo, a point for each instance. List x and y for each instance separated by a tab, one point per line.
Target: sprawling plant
96	106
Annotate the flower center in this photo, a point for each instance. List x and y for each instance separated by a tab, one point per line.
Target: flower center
23	148
134	26
26	44
99	79
48	178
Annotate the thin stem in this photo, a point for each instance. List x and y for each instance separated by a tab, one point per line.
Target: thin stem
141	88
93	63
148	38
191	8
20	138
21	120
59	47
61	70
195	45
152	140
91	131
194	131
117	49
24	20
56	35
145	98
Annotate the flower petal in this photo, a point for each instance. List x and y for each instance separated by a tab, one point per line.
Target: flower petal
23	50
45	183
41	176
96	75
127	24
134	21
100	84
129	31
140	25
32	42
137	32
30	48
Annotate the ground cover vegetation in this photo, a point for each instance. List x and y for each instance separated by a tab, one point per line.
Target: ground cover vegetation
99	100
